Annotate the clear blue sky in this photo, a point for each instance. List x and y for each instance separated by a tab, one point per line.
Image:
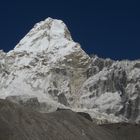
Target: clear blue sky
106	28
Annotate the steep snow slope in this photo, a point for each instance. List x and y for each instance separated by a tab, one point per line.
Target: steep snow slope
46	64
47	69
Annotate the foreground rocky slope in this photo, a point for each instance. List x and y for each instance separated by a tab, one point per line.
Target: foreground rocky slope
18	123
47	69
21	123
123	131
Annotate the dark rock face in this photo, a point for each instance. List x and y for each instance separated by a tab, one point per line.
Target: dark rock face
85	115
97	65
62	99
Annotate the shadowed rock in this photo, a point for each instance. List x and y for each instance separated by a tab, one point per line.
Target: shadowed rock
85	115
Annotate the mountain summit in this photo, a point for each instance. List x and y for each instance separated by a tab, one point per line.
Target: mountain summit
47	70
46	64
43	36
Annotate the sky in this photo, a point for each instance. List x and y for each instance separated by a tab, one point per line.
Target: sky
110	29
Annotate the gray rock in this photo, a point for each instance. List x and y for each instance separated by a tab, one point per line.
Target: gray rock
22	123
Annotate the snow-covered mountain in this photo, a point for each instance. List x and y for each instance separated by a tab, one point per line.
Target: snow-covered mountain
47	70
